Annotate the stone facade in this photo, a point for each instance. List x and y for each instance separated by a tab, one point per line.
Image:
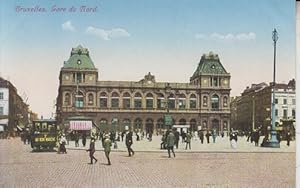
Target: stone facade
252	110
203	103
13	110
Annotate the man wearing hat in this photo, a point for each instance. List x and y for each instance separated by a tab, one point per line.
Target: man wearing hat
92	150
128	141
107	145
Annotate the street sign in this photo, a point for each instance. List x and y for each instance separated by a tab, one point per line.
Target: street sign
168	120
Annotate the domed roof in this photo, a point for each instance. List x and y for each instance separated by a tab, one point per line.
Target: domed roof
79	59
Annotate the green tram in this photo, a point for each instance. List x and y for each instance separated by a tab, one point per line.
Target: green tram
44	134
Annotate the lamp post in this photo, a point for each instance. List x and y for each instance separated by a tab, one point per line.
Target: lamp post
253	113
273	142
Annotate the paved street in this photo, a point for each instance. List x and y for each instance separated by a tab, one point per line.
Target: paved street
19	167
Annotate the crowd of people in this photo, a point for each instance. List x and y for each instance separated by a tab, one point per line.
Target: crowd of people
170	140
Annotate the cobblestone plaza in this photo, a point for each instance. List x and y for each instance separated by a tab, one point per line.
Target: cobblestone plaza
20	167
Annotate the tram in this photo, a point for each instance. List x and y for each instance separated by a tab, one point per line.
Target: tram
44	134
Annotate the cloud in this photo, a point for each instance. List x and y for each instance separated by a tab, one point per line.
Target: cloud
107	34
67	26
229	36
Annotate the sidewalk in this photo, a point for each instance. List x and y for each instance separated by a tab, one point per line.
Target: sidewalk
222	145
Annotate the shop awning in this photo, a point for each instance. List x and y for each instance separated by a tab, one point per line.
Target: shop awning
81	125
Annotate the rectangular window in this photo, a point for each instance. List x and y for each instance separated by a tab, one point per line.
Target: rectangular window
79	78
181	104
276	112
171	103
79	104
137	103
160	104
192	104
1	110
149	103
103	102
115	103
1	96
215	82
276	101
285	113
284	101
126	103
294	101
294	113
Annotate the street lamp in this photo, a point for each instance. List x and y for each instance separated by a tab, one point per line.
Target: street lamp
273	142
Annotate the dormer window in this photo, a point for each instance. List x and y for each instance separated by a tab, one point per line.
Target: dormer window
79	62
213	66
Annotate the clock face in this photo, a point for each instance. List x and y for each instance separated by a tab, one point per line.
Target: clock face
205	81
91	78
225	82
67	77
149	82
213	66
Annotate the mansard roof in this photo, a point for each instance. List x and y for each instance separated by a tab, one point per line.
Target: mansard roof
79	59
209	64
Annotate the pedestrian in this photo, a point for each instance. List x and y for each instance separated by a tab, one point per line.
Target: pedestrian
122	135
278	137
170	143
207	135
256	137
183	135
84	138
107	146
201	135
176	134
163	141
92	151
233	140
288	138
137	136
129	142
76	139
214	135
222	134
62	144
188	140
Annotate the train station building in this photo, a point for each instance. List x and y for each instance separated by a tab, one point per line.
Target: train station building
202	103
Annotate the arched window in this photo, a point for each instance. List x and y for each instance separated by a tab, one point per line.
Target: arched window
215	102
90	99
67	99
138	125
204	125
193	101
137	100
181	101
225	101
204	101
225	125
193	124
160	101
103	100
79	102
182	122
126	100
104	125
126	124
149	100
160	125
115	100
171	101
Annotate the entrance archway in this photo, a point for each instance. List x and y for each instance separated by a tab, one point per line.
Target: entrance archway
215	125
149	125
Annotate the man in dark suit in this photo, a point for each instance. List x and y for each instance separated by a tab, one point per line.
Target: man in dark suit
129	141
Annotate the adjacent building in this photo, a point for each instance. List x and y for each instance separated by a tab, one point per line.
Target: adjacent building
202	103
13	110
252	109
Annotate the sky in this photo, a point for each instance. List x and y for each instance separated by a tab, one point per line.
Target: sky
129	38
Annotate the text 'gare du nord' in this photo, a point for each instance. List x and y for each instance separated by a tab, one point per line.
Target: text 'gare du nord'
203	103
